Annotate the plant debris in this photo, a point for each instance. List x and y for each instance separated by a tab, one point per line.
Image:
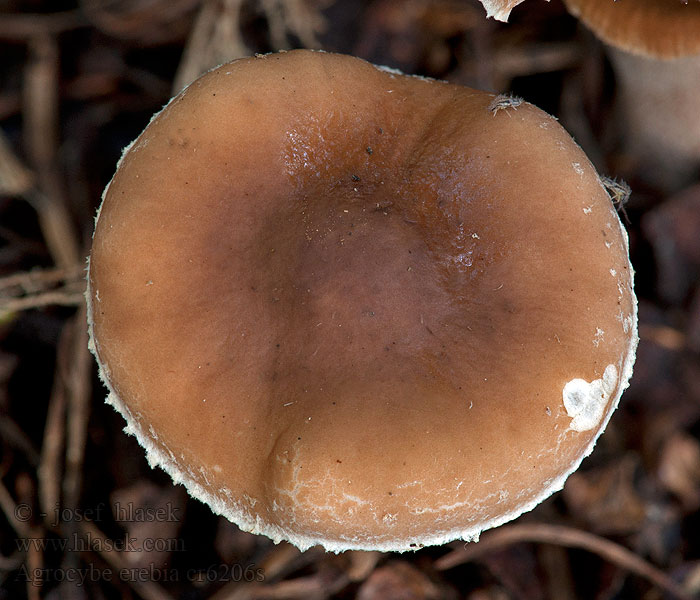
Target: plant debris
84	516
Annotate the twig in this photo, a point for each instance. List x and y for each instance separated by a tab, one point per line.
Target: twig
511	62
20	244
362	564
40	278
40	300
563	536
50	468
25	26
149	590
278	562
155	21
12	562
15	178
215	39
32	289
13	512
302	588
12	433
304	20
664	336
312	587
10	104
35	566
76	370
41	133
276	23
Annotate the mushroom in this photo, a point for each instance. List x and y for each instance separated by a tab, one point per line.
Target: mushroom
500	9
354	308
654	46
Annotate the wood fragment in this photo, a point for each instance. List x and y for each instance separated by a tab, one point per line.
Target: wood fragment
14	514
40	288
24	26
15	178
41	138
214	40
76	370
149	590
567	537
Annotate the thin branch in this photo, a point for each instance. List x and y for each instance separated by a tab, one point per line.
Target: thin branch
35	279
41	300
149	590
14	513
41	131
21	27
569	538
76	367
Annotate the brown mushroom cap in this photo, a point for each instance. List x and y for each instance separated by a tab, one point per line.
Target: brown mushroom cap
354	308
654	28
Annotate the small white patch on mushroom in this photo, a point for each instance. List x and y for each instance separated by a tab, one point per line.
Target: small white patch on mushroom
577	167
627	322
390	70
585	402
203	472
598	336
463	260
389	520
588	210
140	143
409	484
613	272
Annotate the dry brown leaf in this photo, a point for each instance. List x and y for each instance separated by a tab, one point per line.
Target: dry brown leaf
399	580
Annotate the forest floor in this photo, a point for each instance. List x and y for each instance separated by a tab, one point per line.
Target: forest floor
78	81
